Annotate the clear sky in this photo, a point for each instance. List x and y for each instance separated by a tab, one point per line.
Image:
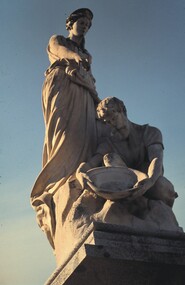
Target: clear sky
138	49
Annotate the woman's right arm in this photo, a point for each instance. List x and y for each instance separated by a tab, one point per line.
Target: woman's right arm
56	47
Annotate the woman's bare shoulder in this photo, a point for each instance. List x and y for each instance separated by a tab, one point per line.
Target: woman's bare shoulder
57	39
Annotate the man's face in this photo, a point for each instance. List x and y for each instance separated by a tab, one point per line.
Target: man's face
119	121
81	26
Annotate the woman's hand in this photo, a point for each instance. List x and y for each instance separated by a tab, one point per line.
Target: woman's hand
77	58
85	64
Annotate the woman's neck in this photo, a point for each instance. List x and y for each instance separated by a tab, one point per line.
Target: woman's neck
76	39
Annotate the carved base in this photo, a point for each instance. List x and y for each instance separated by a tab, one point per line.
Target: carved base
114	255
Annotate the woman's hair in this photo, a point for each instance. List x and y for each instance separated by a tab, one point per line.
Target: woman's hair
77	14
110	104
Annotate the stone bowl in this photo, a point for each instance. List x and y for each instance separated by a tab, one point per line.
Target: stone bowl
113	183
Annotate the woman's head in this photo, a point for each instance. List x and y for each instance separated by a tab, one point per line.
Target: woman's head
77	14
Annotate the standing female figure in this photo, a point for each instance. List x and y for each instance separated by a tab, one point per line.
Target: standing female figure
69	98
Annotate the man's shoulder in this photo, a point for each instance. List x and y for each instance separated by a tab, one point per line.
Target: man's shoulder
145	129
138	127
149	134
152	135
153	131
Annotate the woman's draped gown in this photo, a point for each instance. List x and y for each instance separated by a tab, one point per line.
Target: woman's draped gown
68	100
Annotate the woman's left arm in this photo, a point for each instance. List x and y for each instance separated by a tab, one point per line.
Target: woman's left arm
57	47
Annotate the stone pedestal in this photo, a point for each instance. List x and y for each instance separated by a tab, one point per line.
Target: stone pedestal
114	255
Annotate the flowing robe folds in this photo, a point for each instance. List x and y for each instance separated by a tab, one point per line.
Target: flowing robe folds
69	98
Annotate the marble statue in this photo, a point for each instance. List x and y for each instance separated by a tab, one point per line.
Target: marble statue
97	164
140	147
69	99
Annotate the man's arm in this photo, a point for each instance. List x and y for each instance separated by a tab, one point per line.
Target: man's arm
155	169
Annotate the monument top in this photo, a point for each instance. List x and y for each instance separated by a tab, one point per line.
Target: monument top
98	166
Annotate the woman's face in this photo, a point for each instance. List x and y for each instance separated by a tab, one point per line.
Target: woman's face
80	27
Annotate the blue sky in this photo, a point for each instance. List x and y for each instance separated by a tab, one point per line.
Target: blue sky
138	49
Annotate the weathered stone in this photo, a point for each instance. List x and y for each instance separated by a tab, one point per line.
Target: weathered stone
99	167
119	255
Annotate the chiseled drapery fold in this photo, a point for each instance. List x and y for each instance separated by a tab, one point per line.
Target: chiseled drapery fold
69	97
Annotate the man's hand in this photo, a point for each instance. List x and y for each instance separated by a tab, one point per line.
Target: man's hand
81	174
143	186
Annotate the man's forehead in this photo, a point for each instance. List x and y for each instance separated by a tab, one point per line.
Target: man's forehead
109	113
